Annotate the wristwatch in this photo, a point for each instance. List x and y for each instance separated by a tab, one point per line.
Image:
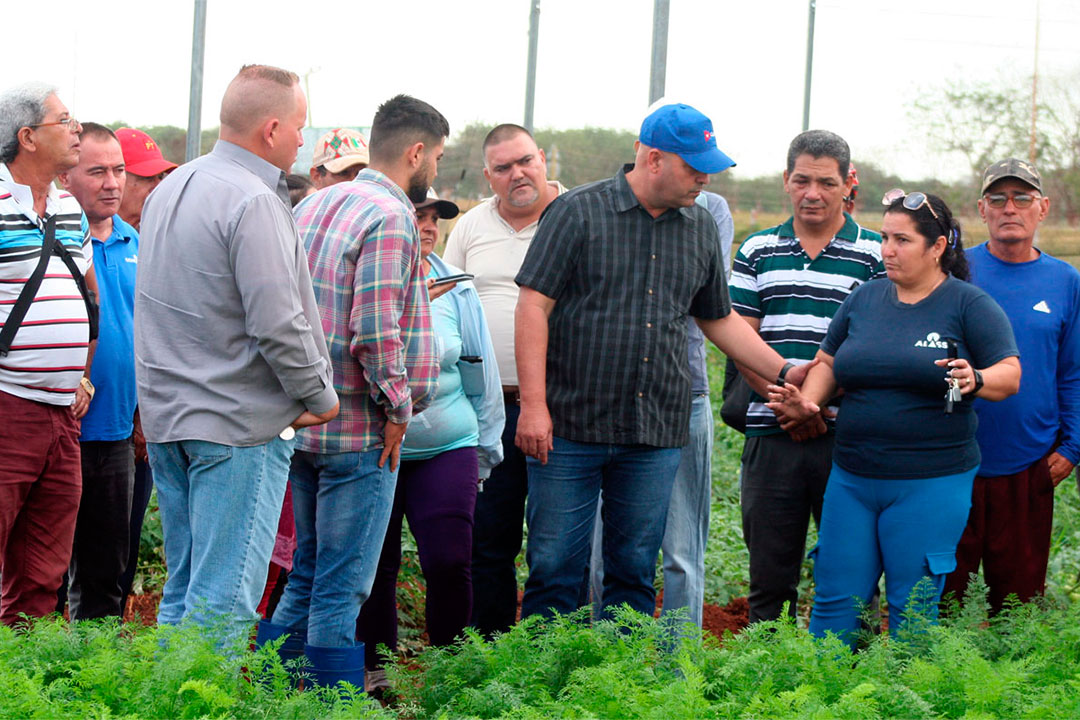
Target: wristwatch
87	386
978	381
783	373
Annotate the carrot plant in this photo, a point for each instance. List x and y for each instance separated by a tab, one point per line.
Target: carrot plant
102	669
1020	664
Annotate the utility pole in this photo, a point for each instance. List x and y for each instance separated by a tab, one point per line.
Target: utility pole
658	68
530	73
1034	88
198	46
307	91
809	66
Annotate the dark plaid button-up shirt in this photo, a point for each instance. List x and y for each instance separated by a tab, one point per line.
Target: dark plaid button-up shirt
624	283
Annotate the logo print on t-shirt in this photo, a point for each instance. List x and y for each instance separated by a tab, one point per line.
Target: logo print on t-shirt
933	340
1042	307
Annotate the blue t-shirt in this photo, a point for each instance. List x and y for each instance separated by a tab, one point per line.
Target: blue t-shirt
450	421
892	424
113	370
1042	299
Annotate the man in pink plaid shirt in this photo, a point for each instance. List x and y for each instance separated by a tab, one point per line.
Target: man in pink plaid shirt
363	250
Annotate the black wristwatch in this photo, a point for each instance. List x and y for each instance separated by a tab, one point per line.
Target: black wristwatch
783	373
978	381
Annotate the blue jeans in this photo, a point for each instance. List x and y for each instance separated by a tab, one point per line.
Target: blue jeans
908	528
219	514
635	481
687	529
342	503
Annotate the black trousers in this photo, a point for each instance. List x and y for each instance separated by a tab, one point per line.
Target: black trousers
102	530
144	485
782	486
498	524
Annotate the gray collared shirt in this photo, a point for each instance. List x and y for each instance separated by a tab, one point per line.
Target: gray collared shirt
228	343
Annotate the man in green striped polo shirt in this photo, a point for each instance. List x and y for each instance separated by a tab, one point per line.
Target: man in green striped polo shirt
788	282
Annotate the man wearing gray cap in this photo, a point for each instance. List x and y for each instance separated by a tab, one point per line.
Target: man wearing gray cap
1029	442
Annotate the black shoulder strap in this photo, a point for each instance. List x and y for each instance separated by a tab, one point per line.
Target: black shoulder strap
29	291
80	281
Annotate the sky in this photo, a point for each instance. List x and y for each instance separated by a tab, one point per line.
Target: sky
742	63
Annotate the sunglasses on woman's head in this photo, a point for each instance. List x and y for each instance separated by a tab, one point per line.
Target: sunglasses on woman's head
912	201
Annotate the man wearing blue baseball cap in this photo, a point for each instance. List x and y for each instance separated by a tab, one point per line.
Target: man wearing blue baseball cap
614	270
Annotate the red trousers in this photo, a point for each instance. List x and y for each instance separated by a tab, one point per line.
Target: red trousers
40	487
1008	530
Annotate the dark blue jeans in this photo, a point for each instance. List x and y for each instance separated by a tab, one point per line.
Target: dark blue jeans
635	481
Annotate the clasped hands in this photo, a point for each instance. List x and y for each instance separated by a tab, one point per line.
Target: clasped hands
798	416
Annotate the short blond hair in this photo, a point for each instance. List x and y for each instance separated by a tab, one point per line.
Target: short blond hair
256	93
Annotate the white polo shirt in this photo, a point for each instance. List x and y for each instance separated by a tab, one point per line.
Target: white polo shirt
484	244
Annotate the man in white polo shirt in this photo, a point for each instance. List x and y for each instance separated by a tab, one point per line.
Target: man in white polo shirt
490	241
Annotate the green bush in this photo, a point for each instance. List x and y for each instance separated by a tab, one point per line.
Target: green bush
102	669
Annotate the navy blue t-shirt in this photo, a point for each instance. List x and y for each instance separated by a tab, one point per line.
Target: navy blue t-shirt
892	424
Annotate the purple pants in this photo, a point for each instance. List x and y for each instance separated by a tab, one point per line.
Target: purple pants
437	496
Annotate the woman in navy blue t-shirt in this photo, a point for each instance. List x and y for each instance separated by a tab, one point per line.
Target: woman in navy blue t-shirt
900	488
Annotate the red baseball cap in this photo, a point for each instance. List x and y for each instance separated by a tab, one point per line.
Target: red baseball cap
142	156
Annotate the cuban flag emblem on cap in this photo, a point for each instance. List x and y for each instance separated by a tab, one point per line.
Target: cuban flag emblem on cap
708	136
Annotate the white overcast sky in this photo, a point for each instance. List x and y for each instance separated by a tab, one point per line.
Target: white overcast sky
741	62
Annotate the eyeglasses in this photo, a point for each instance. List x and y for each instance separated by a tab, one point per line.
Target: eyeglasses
1020	200
70	123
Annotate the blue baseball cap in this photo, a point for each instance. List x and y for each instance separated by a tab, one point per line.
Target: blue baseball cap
682	130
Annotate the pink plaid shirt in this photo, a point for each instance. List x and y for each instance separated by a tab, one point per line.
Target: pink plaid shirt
364	253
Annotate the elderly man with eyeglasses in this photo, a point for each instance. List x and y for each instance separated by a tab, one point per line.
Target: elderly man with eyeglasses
1029	442
48	313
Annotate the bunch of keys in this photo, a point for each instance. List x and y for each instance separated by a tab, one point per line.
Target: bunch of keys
953	394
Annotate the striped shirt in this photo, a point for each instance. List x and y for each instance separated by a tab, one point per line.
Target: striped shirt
48	354
624	283
794	297
364	254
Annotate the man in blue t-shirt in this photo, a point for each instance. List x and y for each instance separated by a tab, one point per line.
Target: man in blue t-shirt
1029	442
100	552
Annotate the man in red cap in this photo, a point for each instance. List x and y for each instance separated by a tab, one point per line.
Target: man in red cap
145	168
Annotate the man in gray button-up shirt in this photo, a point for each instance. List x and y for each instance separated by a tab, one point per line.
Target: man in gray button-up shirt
230	354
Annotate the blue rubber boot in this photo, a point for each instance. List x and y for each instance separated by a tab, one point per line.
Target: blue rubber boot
291	649
331	665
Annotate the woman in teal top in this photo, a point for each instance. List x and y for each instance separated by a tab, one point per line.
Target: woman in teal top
449	448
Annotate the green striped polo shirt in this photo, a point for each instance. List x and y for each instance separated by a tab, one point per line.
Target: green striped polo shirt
794	297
